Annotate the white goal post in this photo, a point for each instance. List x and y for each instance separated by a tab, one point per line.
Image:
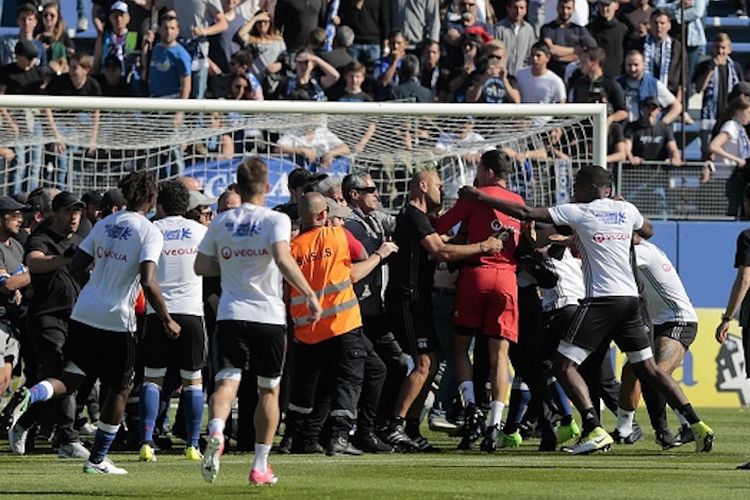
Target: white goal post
81	143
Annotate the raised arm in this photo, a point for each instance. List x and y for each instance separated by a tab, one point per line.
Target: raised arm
517	210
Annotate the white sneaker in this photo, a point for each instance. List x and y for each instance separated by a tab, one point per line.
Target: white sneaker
211	457
17	439
87	429
105	467
73	450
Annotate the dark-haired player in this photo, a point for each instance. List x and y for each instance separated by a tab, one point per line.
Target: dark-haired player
487	298
611	310
124	248
183	294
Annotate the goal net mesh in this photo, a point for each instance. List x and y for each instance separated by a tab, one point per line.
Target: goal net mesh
87	150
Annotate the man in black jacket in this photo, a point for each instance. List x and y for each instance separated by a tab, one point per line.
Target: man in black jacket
410	89
610	34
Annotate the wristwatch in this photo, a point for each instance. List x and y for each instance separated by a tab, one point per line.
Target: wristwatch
726	317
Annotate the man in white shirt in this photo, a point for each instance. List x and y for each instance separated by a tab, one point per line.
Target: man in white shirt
537	84
249	248
611	308
124	248
183	294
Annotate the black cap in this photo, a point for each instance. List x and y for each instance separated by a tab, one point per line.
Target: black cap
66	199
39	200
27	49
651	100
8	204
112	61
92	197
113	198
300	177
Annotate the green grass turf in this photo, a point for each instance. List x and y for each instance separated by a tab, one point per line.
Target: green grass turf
638	471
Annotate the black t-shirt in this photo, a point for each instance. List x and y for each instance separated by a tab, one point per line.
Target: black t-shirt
358	97
17	81
369	232
411	270
122	89
494	90
57	290
63	85
583	87
615	136
649	140
741	259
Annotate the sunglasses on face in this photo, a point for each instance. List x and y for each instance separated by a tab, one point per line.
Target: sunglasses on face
368	190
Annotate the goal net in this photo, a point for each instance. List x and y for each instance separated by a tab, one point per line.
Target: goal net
82	144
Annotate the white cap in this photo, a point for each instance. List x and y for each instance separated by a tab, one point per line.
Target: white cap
197	199
120	7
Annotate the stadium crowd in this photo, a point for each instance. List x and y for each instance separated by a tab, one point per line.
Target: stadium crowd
627	54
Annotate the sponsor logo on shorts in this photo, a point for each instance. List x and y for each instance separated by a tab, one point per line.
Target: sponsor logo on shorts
604	237
103	253
228	253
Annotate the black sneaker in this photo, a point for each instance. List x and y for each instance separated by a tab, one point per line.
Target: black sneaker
666	440
686	434
285	445
422	445
474	427
489	443
635	435
342	446
744	466
396	437
370	443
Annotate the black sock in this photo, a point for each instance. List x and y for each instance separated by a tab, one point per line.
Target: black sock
590	420
689	414
397	421
412	427
566	419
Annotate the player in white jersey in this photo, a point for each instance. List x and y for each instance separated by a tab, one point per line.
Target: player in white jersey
124	248
611	308
183	293
249	248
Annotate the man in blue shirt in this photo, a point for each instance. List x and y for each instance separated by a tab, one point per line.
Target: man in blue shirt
169	70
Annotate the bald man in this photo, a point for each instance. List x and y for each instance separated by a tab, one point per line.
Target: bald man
409	304
332	348
191	183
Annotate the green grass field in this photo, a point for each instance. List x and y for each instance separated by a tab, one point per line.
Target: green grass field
639	471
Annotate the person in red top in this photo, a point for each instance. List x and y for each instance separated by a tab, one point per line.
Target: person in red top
487	299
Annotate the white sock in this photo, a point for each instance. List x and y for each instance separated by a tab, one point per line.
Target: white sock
683	420
496	412
216	426
625	421
260	461
466	390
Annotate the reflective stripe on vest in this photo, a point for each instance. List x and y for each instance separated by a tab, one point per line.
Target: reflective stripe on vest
336	287
327	312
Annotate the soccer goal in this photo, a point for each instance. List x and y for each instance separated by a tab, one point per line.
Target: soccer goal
84	143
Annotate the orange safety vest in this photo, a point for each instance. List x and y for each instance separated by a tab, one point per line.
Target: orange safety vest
323	255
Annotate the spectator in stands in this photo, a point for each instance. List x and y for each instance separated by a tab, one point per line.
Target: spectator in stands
169	70
434	75
715	78
610	34
495	85
140	15
314	149
198	19
517	35
241	86
634	14
385	72
616	146
371	23
538	84
339	58
474	65
573	69
53	35
410	89
594	80
224	44
650	139
695	13
731	150
117	41
661	53
304	85
561	36
639	85
112	82
297	18
418	20
454	31
262	39
354	75
27	20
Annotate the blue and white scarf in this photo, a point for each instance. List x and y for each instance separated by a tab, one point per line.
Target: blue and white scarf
743	141
710	109
333	11
649	51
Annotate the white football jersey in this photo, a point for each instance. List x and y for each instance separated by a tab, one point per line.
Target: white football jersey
181	287
569	288
251	282
604	231
118	243
666	299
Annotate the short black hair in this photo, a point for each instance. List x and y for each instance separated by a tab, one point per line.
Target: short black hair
138	187
409	67
541	47
498	162
596	175
173	197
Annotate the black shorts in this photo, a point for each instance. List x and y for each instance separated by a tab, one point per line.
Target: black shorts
251	346
683	332
413	325
191	346
103	354
48	334
603	319
555	325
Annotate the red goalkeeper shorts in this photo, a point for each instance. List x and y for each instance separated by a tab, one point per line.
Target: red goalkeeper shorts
487	301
